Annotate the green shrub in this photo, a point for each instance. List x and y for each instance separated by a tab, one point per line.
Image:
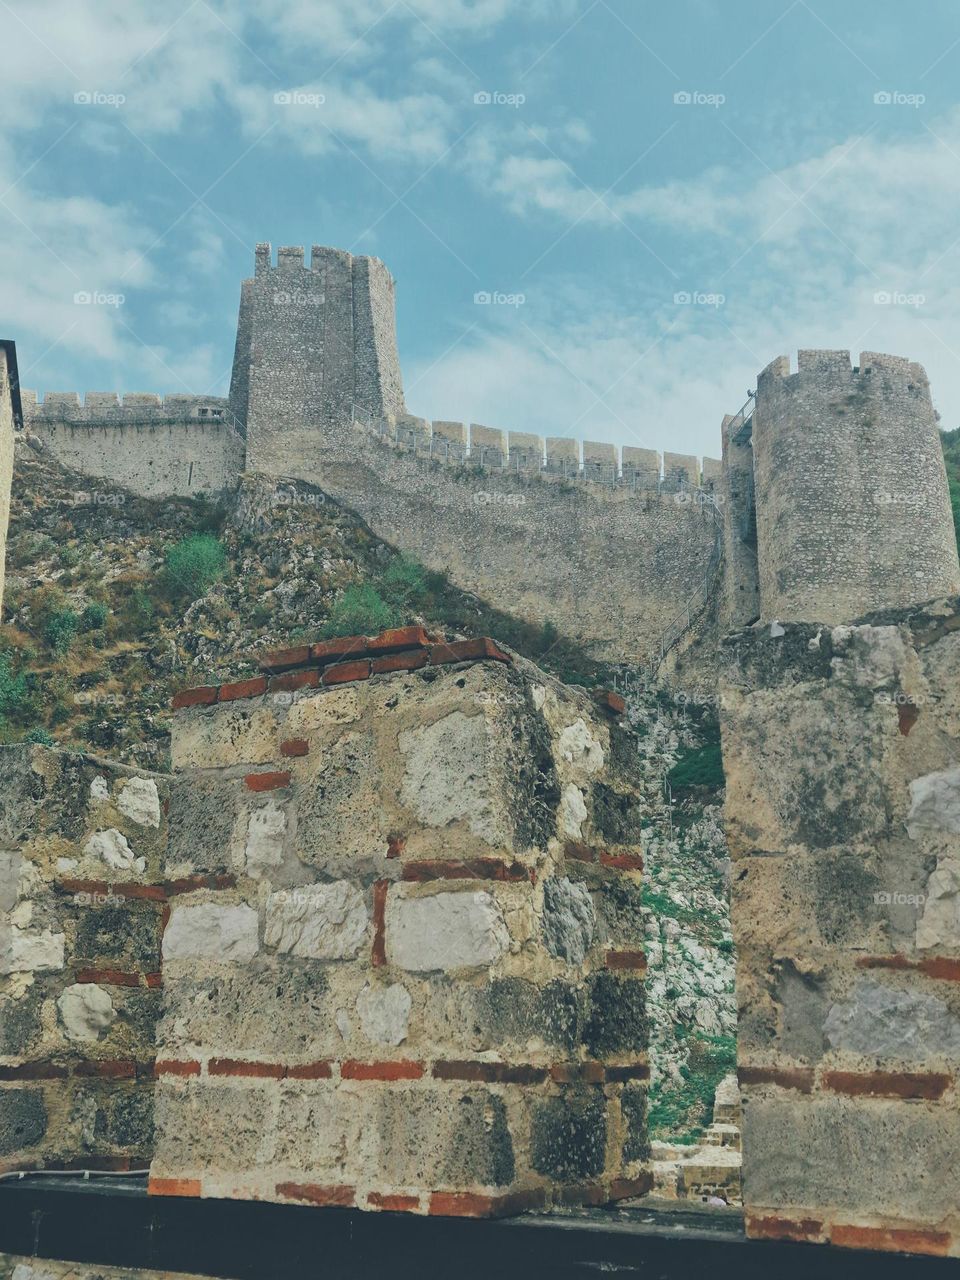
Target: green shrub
60	629
93	617
404	584
13	689
361	610
194	564
39	736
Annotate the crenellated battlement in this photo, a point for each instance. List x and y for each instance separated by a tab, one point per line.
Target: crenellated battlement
107	408
556	458
826	366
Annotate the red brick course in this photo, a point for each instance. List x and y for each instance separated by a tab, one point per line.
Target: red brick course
294	747
393	1203
621	861
173	1187
630	1188
467	869
404	1069
464	1204
893	1239
272	781
285	659
630	1071
887	1084
345	672
944	968
237	1067
253	688
342	1197
309	1071
170	1067
611	701
294	680
466	651
800	1078
34	1071
397	639
577	1073
773	1227
204	696
336	650
492	1072
411	661
109	1069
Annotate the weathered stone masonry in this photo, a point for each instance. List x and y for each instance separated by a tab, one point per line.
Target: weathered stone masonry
82	905
10	420
842	758
423	988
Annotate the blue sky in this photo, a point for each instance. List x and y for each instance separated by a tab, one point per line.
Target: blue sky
651	254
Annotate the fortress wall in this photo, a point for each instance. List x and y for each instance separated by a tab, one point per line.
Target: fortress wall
151	446
610	567
378	385
6	458
853	512
841	750
741	583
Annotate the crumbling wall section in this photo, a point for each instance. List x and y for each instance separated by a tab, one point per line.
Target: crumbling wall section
81	914
841	750
419	985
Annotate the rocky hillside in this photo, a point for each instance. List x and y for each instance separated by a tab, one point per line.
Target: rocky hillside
114	602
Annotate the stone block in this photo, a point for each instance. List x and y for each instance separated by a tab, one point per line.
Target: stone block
227	934
317	921
568	1136
23	1120
444	931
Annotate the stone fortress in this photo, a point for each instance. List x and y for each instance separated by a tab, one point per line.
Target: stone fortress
366	898
812	511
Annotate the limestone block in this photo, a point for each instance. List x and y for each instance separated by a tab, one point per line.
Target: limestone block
24	952
265	833
447	777
384	1013
573	811
833	1151
445	931
579	748
935	802
465	1142
209	931
216	1127
332	707
318	921
139	800
86	1010
240	733
569	919
111	847
10	863
884	1022
99	791
939	924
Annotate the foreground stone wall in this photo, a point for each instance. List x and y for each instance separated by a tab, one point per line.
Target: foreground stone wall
841	750
420	984
81	913
12	1268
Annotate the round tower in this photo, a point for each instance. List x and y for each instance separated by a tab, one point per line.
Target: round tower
853	511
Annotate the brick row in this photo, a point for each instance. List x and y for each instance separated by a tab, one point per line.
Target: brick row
410	1069
146	892
927	1086
343	660
908	1238
105	1068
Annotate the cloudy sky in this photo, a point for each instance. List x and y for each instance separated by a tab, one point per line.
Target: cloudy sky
658	199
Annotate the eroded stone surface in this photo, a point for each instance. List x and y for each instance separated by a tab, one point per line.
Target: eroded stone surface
939	925
569	919
445	931
322	921
208	930
23	951
86	1010
139	801
111	847
886	1022
384	1013
447	774
935	802
265	832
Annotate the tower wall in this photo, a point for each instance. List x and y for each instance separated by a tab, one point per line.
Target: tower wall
321	351
853	513
9	399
